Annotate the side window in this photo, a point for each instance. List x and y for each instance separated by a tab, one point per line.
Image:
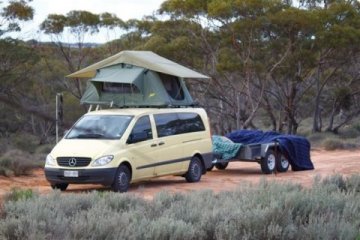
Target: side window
141	131
166	124
190	122
178	123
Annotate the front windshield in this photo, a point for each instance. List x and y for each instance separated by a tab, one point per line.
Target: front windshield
100	127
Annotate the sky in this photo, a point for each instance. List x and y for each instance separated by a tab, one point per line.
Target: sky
124	9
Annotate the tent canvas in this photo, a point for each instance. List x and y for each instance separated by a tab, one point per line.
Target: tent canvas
144	59
118	81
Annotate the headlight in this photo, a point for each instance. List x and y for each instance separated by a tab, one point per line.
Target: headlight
102	161
50	161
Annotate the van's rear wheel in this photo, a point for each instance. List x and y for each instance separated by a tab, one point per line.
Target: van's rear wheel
268	163
122	179
222	165
60	186
195	170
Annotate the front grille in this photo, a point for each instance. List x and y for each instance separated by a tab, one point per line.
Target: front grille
73	161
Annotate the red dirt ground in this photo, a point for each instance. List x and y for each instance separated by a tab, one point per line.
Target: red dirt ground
326	163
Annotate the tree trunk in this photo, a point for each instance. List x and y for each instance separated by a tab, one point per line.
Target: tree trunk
269	110
332	116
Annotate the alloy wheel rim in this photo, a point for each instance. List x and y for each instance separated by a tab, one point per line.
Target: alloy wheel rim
196	170
122	179
271	161
284	162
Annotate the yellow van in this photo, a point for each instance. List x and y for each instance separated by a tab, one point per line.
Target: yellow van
117	147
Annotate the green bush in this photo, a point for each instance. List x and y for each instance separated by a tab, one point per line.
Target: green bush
334	144
350	132
25	142
328	210
44	149
357	127
16	162
317	139
17	194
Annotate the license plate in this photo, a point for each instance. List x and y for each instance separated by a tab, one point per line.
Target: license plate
71	174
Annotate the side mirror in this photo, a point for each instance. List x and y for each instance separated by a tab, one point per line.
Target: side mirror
137	137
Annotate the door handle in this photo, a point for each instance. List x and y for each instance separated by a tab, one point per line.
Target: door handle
153	145
161	143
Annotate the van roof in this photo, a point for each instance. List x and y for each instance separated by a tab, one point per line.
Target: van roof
139	111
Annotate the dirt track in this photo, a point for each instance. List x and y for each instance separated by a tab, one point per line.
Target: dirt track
326	163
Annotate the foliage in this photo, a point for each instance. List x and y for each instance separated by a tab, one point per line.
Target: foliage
12	13
17	194
25	142
328	210
335	144
17	163
283	61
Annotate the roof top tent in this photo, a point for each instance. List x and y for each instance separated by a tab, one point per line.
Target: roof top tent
137	79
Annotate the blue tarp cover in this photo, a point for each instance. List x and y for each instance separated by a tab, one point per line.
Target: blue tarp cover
296	148
225	147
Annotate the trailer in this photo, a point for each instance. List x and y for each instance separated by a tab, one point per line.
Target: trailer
268	155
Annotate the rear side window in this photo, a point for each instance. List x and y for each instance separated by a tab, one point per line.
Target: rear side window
168	124
190	122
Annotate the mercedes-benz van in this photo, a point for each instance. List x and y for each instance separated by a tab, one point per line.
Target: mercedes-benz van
117	147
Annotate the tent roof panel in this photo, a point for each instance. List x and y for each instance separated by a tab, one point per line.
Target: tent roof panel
145	59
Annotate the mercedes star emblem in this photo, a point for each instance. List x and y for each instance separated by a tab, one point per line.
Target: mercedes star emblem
72	162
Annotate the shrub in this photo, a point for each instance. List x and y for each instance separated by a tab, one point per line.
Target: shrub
44	149
350	132
317	139
16	162
25	142
329	210
357	126
17	194
334	144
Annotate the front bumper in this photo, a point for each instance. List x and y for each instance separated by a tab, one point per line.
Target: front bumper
104	176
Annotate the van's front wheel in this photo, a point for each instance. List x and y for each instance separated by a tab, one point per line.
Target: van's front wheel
195	170
61	186
122	179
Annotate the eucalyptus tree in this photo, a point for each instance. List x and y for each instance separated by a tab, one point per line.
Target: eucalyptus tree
70	34
13	13
237	38
338	41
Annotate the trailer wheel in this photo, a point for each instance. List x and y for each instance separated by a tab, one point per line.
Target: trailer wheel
268	163
195	170
282	163
221	166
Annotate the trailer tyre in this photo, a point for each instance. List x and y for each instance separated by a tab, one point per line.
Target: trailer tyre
221	166
122	179
195	170
282	164
268	163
